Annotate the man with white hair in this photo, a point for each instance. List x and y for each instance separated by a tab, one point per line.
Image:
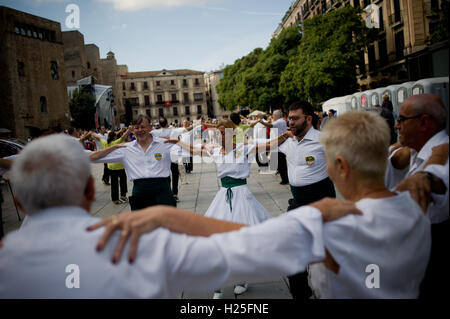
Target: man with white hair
421	126
53	256
278	127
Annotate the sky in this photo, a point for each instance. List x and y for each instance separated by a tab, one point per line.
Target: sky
150	35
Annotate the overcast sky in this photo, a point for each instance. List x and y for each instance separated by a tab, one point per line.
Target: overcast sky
152	35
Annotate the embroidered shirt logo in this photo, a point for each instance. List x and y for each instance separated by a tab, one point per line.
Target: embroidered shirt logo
310	160
158	156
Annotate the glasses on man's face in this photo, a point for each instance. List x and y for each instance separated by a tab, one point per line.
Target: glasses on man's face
296	118
402	118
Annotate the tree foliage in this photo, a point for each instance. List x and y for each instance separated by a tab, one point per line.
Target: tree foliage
82	109
316	66
329	52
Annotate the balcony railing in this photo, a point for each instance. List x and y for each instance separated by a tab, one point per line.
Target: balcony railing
396	18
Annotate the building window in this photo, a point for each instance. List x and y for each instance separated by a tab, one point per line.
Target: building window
124	94
147	100
135	101
159	98
145	86
197	82
172	82
43	104
147	111
372	63
380	12
161	112
175	111
21	68
158	83
185	82
186	97
198	96
136	112
382	51
132	88
187	110
174	97
73	74
124	86
399	44
54	70
17	30
199	109
89	65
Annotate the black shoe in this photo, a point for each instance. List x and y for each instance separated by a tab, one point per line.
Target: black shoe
284	182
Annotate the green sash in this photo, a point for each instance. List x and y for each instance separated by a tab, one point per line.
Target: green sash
229	183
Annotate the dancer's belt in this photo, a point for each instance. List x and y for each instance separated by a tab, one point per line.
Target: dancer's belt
229	183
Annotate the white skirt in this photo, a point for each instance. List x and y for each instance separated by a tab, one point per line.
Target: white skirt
245	208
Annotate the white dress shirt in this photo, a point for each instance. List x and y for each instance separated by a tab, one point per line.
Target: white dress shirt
153	163
305	159
392	234
34	260
278	127
438	210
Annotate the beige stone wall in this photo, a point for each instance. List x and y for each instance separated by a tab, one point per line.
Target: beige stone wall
93	66
21	94
74	57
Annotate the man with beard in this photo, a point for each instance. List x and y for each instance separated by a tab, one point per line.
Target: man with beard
307	172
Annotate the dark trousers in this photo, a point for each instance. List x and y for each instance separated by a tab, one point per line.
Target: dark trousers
175	177
282	167
116	176
298	283
189	164
150	192
1	213
435	283
262	160
106	173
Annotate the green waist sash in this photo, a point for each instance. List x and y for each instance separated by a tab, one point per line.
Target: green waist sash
229	183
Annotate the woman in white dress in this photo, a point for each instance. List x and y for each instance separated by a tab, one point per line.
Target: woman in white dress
234	201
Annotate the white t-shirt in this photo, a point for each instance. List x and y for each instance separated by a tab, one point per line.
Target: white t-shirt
391	239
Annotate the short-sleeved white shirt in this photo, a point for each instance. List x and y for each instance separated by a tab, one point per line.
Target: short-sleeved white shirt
305	159
153	163
278	127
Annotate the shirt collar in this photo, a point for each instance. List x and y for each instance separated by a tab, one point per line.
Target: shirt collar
56	212
437	139
312	135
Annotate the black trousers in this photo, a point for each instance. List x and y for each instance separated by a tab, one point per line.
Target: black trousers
189	164
106	173
435	283
116	176
298	283
282	167
262	160
175	177
151	191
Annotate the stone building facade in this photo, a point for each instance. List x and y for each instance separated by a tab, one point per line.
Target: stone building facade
175	94
403	51
212	79
33	94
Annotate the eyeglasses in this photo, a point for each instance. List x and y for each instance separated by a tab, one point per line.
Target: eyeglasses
402	118
296	118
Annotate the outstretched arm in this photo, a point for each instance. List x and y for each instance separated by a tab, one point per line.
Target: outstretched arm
94	156
4	163
188	147
273	142
266	124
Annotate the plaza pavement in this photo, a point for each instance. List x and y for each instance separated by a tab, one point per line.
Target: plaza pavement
196	192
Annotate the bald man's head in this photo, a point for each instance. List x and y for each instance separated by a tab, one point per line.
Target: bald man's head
277	114
430	104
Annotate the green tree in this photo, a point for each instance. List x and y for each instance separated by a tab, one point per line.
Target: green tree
326	60
82	109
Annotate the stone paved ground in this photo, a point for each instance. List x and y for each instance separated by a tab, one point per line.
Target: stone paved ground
196	191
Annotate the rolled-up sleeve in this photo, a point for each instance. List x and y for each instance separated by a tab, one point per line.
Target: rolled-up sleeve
113	157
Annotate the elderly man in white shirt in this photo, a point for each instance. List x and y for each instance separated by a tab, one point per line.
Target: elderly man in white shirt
278	127
421	126
147	163
53	256
381	254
